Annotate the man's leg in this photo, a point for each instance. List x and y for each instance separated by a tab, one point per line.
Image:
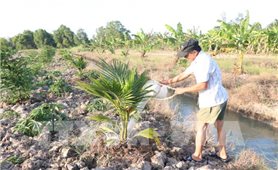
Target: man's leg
221	139
200	138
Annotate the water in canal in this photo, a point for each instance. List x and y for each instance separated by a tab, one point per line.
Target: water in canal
242	132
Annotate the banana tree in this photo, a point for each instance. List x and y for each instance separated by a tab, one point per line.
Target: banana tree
123	88
177	35
144	42
238	35
272	38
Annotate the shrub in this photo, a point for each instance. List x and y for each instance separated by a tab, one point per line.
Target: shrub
59	87
38	118
16	78
46	54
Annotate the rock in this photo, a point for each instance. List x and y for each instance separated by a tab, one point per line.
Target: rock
142	125
146	165
1	111
212	163
85	168
2	132
169	168
72	167
55	149
206	167
19	109
80	164
37	97
102	168
171	161
5	165
68	152
88	159
131	168
5	122
62	103
182	165
192	168
159	159
176	150
33	164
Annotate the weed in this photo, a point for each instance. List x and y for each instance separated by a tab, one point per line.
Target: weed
15	159
59	87
37	119
9	114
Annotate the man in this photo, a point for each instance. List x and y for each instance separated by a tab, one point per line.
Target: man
212	96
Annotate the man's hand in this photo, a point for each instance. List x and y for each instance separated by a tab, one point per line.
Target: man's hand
166	82
179	91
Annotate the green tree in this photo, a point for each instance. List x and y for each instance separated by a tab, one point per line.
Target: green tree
42	38
64	37
5	44
81	37
111	36
24	40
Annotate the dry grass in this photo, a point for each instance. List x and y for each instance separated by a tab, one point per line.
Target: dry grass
255	96
248	160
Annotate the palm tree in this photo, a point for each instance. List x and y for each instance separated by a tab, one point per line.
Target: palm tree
123	88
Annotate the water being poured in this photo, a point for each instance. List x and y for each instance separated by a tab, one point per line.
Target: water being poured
157	91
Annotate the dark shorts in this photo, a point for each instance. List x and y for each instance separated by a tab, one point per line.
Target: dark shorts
211	114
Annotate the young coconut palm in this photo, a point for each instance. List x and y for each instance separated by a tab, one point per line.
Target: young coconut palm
124	89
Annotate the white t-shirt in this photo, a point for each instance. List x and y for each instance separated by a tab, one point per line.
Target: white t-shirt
205	69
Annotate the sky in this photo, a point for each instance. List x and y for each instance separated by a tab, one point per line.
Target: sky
149	15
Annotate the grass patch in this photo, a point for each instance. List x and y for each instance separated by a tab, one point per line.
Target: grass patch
252	66
16	159
9	114
248	160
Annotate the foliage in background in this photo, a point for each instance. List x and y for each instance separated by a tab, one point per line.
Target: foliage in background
143	42
77	61
42	39
64	37
24	41
81	38
177	36
110	37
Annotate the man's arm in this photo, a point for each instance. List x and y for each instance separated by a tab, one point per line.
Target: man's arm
176	79
195	88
